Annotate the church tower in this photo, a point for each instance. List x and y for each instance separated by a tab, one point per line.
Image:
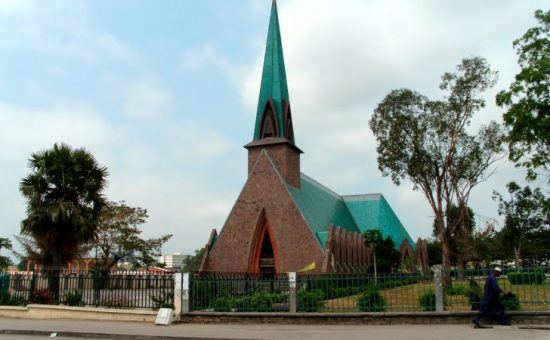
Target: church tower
283	220
273	131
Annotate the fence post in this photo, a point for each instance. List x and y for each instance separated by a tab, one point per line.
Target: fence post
177	294
185	296
438	281
292	293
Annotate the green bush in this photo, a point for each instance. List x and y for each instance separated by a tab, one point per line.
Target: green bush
427	302
526	278
372	301
73	298
310	301
457	290
7	299
509	301
257	302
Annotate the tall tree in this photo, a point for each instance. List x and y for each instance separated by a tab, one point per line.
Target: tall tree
526	212
4	260
64	201
528	99
119	237
427	142
192	263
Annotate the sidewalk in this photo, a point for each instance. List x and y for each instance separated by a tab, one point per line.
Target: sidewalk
267	331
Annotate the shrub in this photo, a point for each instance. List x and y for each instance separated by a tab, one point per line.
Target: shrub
427	302
257	302
7	299
73	298
371	301
526	278
162	300
457	290
509	301
223	304
42	296
310	301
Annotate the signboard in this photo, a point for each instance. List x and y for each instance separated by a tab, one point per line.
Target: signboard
164	316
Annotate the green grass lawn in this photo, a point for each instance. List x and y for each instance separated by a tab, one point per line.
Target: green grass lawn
405	298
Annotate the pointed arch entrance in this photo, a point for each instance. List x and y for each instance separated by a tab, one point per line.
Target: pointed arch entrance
264	250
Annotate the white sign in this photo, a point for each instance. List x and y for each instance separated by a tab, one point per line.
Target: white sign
292	279
164	316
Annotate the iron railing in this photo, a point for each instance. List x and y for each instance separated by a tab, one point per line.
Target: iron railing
113	289
239	292
529	289
523	288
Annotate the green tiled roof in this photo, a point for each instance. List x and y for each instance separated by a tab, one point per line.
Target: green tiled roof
322	207
373	212
274	84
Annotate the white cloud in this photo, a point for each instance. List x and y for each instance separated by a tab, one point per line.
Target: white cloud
62	29
145	97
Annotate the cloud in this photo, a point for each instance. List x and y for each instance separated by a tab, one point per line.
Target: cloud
62	30
145	98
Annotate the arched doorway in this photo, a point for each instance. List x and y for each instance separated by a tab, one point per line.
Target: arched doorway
267	256
264	258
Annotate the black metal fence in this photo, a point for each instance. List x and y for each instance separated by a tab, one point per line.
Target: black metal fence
524	288
112	289
240	292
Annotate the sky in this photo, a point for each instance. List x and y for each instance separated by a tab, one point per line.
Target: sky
164	94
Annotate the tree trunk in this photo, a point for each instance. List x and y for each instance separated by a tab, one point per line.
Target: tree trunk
54	279
375	272
446	259
461	269
517	256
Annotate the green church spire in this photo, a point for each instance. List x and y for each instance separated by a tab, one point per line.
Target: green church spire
273	115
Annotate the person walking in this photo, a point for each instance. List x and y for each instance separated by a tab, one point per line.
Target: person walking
490	303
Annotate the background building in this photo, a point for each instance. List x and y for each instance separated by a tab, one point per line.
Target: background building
174	260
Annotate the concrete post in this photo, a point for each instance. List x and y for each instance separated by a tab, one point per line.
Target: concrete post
292	294
185	298
177	294
438	281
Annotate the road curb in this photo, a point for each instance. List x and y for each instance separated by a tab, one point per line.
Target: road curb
90	335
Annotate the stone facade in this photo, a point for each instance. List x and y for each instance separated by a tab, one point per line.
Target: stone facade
264	203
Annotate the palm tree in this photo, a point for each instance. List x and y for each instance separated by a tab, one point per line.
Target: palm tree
64	200
373	238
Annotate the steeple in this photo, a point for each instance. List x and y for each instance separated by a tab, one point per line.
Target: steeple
273	118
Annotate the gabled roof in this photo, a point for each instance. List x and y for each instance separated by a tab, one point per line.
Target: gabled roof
274	84
322	207
372	211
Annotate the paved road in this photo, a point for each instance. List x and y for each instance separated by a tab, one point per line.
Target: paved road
267	331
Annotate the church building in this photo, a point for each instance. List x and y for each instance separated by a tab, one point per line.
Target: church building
285	221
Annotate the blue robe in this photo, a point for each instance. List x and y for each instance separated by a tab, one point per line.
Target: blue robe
490	304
